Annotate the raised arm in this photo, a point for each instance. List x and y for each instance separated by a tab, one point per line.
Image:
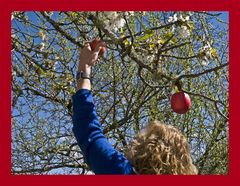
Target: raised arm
97	151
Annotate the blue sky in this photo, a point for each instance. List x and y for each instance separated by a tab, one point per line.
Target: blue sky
32	17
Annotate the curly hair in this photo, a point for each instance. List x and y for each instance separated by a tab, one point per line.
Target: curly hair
161	149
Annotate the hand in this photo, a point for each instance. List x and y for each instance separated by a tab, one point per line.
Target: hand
88	57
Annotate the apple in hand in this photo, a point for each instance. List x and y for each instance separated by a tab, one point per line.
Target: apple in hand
180	102
94	44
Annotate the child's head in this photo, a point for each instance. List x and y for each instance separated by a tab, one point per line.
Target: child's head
161	149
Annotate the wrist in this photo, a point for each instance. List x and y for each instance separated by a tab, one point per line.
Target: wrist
83	84
85	69
83	80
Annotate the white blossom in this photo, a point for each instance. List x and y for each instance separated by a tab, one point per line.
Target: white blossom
109	25
208	54
42	46
55	66
206	49
120	23
42	35
183	32
205	61
111	15
45	37
205	53
113	21
181	18
173	28
187	18
148	58
172	19
57	57
180	30
176	17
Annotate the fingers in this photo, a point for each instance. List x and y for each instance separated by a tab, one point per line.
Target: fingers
99	46
87	45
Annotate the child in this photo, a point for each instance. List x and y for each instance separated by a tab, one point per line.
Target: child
158	149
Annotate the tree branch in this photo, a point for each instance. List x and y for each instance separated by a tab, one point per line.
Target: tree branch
60	30
201	73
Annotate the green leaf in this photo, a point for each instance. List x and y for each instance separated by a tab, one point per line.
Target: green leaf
147	35
214	53
126	42
152	45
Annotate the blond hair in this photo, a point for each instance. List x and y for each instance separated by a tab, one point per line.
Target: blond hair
161	149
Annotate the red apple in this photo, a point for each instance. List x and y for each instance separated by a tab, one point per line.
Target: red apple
94	44
180	102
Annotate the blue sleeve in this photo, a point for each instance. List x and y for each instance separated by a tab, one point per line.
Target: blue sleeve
98	153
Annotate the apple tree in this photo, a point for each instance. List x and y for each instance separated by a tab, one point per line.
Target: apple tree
150	56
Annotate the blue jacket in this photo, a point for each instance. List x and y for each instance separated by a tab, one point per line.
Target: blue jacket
98	153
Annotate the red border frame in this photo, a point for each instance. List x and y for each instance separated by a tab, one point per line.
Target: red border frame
76	5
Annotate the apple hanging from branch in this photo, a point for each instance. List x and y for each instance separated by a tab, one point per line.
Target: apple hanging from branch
180	101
